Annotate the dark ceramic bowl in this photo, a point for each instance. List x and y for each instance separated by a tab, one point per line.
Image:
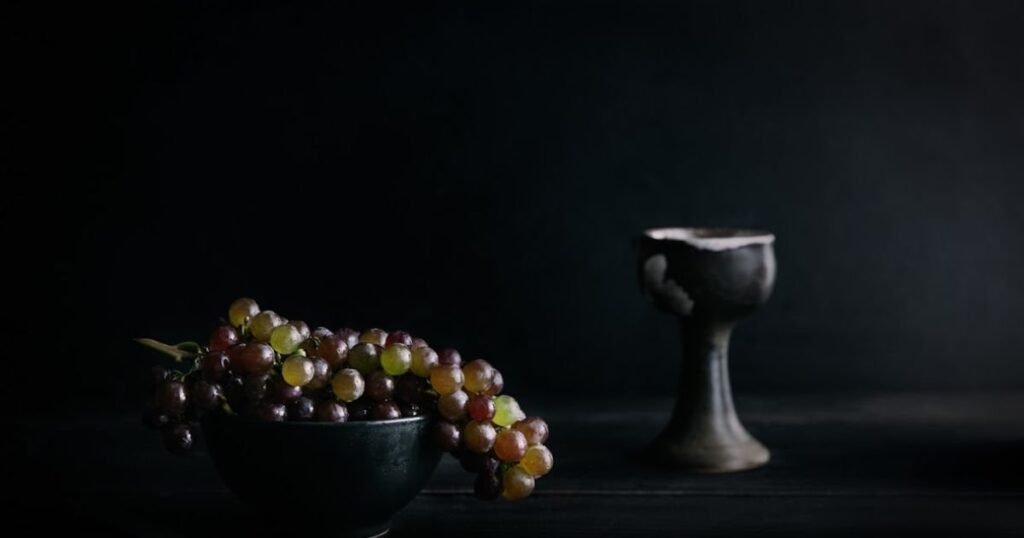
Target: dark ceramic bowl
344	479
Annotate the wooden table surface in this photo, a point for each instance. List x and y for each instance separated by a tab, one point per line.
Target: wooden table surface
918	464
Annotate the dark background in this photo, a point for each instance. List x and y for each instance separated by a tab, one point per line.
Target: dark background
477	173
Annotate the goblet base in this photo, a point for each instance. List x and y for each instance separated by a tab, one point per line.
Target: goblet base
697	455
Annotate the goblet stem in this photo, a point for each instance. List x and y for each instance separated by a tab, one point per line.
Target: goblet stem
704	433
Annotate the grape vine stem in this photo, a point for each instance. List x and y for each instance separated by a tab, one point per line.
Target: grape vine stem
178	352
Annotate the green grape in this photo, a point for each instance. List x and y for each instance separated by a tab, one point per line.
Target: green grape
453	406
264	324
285	339
242	311
510	445
297	370
423	359
365	357
516	484
348	385
479	376
374	336
478	436
396	359
446	379
507	411
537	461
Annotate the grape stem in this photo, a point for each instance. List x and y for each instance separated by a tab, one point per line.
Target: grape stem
178	352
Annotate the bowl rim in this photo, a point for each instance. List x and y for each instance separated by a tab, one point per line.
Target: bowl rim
314	424
714	238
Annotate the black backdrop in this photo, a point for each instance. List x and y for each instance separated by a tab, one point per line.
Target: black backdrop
476	174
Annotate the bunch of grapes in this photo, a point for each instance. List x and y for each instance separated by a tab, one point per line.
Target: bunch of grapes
261	366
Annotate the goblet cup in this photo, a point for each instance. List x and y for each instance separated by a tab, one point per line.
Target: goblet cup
708	279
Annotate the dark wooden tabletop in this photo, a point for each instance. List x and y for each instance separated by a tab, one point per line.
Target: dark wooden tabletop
918	464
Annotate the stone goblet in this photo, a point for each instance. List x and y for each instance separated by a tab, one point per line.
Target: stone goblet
708	279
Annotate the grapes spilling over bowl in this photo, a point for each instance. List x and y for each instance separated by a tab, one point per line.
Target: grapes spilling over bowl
259	367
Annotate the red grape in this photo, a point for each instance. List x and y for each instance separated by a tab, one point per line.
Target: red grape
304	331
479	375
510	445
301	409
271	412
474	462
321	375
478	436
359	409
446	379
409	388
450	357
154	419
328	411
255	388
282	392
374	336
398	337
254	359
453	406
320	332
334	350
410	410
534	428
178	439
214	364
170	398
446	435
480	408
223	337
158	376
487	485
385	411
497	384
349	336
380	386
204	397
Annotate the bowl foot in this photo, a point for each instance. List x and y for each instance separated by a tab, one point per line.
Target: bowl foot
374	531
369	531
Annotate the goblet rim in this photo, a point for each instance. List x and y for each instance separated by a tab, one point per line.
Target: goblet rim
712	238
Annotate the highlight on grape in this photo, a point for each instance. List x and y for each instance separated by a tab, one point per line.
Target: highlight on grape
260	366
